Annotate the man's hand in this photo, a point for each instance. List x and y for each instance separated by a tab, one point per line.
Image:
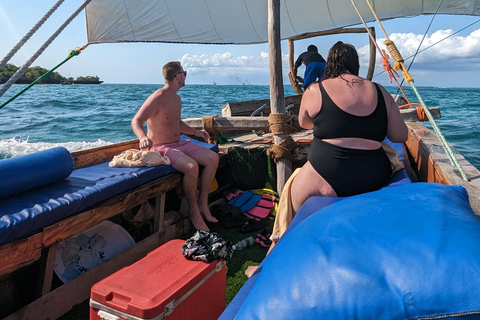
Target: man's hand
145	143
202	134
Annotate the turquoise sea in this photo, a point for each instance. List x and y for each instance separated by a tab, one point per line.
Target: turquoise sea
85	116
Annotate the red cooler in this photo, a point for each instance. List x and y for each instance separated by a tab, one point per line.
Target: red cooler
164	284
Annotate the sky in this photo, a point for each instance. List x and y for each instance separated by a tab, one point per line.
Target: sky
454	62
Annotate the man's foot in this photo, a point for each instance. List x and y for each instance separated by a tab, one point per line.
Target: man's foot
198	222
250	270
205	211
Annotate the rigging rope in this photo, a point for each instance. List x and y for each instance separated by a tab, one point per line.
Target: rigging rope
27	64
399	65
423	38
29	34
71	54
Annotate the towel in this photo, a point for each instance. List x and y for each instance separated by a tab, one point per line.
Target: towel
393	156
138	158
285	210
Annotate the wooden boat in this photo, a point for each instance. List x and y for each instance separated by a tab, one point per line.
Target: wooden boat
37	251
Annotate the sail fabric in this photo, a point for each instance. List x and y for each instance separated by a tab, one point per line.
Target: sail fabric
241	21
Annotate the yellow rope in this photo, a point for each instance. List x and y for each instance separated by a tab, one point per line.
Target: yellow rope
399	65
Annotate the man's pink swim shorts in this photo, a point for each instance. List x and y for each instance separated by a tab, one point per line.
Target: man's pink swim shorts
176	149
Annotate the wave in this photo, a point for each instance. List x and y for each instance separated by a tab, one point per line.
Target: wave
16	146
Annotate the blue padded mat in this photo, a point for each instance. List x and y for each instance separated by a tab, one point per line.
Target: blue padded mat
398	253
28	212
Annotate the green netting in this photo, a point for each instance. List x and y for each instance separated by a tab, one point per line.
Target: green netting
252	168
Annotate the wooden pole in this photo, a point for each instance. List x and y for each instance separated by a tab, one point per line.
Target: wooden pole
277	96
373	55
291	63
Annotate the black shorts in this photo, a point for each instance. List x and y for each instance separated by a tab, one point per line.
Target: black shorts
350	171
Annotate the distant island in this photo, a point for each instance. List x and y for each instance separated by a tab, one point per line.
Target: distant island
34	73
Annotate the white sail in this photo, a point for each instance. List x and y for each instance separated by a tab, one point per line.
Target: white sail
241	21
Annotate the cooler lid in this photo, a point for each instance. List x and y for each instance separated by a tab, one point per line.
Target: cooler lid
147	288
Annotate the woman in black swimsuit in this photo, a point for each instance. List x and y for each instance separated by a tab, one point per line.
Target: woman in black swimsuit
350	117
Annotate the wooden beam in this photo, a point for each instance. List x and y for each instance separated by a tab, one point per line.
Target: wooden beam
88	157
277	96
19	253
261	123
373	55
329	32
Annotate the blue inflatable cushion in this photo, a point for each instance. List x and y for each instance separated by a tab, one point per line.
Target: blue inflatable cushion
410	252
34	170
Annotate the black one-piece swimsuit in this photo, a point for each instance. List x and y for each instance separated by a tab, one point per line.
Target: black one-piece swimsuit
350	171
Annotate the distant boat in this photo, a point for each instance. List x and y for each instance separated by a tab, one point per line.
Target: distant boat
87	82
66	82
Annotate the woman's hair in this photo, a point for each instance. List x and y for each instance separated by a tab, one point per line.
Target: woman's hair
342	58
171	69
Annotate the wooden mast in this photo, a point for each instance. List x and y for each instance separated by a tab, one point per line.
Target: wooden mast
277	96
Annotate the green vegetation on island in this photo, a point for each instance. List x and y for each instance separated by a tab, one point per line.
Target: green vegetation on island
34	73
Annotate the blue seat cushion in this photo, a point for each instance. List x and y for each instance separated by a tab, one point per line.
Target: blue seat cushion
397	253
34	170
25	213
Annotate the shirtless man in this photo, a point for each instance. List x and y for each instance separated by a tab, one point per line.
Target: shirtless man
162	113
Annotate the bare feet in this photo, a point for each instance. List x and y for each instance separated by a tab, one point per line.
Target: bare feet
205	211
198	222
250	270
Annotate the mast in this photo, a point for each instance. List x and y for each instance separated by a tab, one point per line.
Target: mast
277	95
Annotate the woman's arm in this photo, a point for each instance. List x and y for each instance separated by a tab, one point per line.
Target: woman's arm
310	106
397	129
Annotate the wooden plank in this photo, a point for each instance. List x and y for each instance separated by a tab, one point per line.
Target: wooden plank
88	157
373	55
20	253
62	299
329	32
261	123
49	269
109	208
245	108
433	164
410	114
159	216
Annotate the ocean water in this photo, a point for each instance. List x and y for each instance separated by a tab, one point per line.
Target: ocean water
85	116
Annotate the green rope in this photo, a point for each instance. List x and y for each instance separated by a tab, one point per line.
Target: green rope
71	54
446	147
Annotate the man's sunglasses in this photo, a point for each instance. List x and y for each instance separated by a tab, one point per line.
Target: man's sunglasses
184	73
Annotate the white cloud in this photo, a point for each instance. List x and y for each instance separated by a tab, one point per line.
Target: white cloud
223	64
452	55
441	53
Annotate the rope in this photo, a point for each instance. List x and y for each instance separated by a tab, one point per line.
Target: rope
424	35
208	125
399	65
434	44
29	34
24	68
283	150
392	74
71	54
279	123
